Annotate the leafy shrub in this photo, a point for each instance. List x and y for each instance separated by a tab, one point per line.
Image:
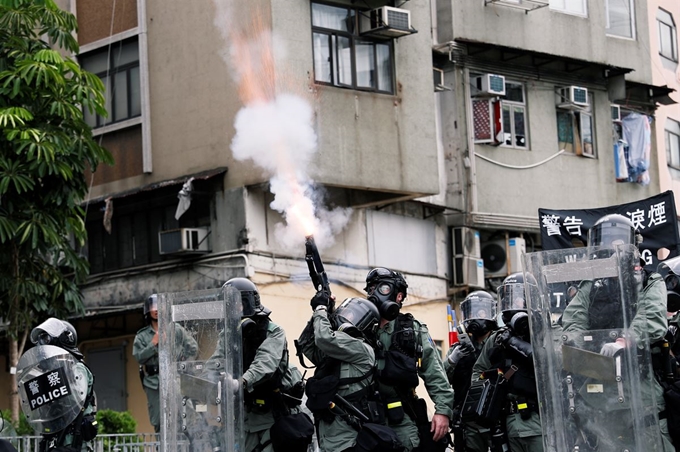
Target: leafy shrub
24	428
110	421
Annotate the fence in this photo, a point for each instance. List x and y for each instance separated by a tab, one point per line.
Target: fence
129	442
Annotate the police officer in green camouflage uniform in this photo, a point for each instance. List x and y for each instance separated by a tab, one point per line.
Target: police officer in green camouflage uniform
406	353
340	346
510	348
479	321
584	313
145	351
267	372
61	333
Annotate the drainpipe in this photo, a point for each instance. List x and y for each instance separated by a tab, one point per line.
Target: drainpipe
469	160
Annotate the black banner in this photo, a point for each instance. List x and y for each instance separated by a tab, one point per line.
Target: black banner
47	388
655	218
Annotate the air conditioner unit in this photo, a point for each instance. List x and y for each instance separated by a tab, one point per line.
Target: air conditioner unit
465	242
489	85
468	271
184	241
386	21
616	113
503	256
575	95
468	267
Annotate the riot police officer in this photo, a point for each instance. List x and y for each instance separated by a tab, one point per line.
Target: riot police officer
343	386
479	321
145	351
267	374
509	349
593	308
406	353
66	388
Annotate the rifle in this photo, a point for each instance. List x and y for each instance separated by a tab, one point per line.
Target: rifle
316	270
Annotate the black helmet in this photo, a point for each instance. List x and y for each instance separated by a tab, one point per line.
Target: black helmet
150	304
670	271
59	333
250	297
356	317
479	313
612	230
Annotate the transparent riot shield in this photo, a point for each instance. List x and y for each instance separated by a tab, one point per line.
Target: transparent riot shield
200	364
591	352
52	387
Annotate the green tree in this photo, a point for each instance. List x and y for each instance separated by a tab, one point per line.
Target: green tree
45	149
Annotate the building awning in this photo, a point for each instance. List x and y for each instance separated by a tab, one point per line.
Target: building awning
655	94
203	175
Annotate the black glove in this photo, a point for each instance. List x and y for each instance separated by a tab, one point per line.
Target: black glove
320	299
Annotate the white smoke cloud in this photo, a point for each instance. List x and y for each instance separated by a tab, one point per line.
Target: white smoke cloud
277	135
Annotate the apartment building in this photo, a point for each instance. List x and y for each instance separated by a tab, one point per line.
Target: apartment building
173	96
663	44
532	95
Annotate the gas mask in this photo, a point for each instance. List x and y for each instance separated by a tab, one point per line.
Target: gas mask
478	327
519	324
382	296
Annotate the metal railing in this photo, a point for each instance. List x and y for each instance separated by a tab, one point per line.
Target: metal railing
124	442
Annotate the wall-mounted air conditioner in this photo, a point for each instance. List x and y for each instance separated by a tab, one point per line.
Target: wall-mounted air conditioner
574	95
503	256
616	113
468	267
184	241
488	85
386	21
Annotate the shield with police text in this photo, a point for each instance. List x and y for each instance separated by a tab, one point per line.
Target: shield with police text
591	348
200	366
52	387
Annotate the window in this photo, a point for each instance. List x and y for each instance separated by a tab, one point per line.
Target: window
668	37
575	128
577	7
501	120
514	111
343	58
620	18
118	68
673	144
135	225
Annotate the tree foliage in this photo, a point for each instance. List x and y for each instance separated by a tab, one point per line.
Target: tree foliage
45	149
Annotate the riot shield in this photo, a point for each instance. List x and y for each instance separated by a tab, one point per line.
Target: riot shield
592	356
52	387
200	364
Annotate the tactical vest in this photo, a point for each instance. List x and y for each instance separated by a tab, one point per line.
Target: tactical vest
261	398
523	381
403	357
606	311
323	387
462	377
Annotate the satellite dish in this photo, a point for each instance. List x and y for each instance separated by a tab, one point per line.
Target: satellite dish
494	256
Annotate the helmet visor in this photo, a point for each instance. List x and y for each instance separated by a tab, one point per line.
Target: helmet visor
478	308
611	234
511	297
51	327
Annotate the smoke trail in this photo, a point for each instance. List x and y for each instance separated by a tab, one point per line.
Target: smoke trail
275	130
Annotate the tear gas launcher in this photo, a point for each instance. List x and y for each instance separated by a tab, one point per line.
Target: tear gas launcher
316	270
